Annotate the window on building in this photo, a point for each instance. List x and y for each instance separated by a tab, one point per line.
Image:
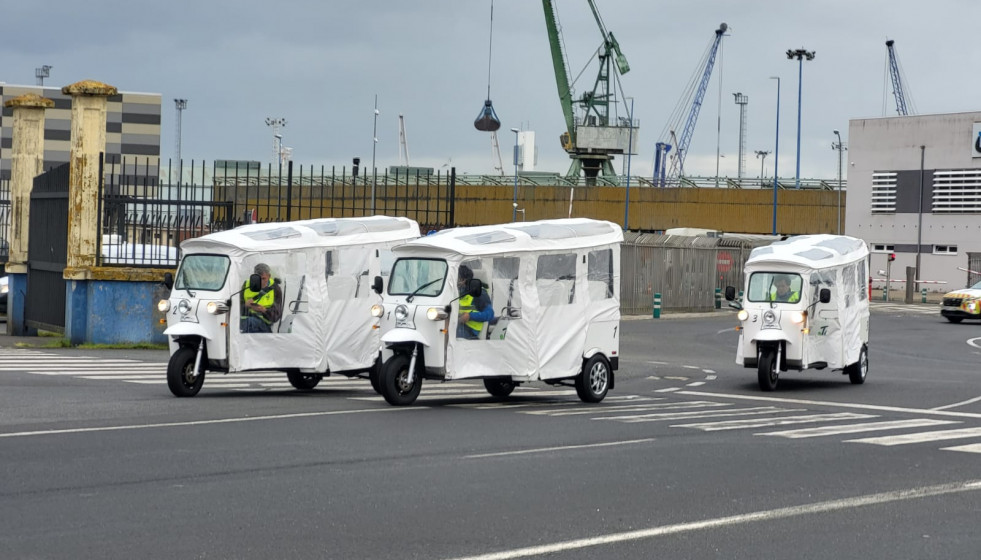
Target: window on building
884	192
882	248
945	249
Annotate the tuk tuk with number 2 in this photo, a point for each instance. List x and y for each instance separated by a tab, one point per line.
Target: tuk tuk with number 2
291	297
806	306
553	286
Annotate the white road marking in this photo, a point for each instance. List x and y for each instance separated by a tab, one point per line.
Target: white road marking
668	416
668	390
764	422
710	377
696	383
821	431
691	367
920	437
732	520
204	422
970	448
562	448
833	404
974	342
709	371
955	405
626	408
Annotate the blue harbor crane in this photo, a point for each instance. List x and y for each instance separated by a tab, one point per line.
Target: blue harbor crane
897	81
669	170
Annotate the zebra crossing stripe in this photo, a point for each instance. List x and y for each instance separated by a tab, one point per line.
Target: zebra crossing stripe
669	416
970	448
919	437
821	431
627	408
764	422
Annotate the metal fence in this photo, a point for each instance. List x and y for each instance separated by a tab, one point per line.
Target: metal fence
145	211
4	223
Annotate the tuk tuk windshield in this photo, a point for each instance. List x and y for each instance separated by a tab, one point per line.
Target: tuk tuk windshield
420	277
202	272
775	286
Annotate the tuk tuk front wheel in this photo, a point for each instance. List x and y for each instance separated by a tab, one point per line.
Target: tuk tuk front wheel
303	381
860	369
499	386
394	381
593	382
767	373
180	373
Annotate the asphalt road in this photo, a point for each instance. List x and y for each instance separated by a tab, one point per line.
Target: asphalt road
685	459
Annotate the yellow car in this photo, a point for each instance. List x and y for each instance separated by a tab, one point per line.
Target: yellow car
962	304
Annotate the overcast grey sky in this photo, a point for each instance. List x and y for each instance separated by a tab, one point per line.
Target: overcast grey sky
320	64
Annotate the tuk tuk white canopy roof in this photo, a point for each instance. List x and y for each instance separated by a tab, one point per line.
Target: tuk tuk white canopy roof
306	233
811	251
519	236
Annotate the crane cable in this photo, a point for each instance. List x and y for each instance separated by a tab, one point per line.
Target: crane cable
490	49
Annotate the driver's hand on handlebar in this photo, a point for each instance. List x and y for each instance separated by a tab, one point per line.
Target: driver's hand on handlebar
464	317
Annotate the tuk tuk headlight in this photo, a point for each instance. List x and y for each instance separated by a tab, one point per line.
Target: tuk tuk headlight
436	313
217	307
377	310
797	317
401	313
742	315
184	307
163	305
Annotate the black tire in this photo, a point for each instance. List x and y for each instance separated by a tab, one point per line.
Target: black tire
858	371
767	373
180	372
303	381
955	319
374	375
393	384
593	382
499	386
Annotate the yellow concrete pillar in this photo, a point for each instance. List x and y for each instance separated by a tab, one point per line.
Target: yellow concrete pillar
88	140
26	162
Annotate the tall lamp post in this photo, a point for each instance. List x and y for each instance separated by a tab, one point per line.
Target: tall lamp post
761	155
514	201
840	147
374	146
776	157
800	55
180	104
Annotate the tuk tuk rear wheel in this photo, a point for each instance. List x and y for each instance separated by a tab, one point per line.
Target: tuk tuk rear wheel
394	381
593	382
860	369
767	374
303	381
180	373
374	375
499	386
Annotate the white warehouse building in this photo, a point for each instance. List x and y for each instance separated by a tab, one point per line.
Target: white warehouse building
915	181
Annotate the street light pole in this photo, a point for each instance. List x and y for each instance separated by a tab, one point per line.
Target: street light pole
374	145
838	146
630	149
761	155
800	55
776	157
514	200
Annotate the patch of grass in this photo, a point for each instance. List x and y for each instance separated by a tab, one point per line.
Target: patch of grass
65	343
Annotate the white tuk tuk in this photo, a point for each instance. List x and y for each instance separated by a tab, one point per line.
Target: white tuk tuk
554	289
292	297
806	306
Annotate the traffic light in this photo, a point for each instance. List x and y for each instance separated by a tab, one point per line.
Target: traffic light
354	168
892	257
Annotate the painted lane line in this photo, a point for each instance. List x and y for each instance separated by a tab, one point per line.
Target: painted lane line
668	390
974	342
710	377
691	367
562	448
690	415
833	404
202	422
732	520
858	428
920	437
696	384
970	448
764	422
658	363
614	409
955	405
709	371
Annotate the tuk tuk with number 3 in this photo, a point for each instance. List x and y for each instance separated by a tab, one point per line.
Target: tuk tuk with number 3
553	286
806	306
292	297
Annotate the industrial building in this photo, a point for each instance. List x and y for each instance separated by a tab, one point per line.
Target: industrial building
915	182
132	127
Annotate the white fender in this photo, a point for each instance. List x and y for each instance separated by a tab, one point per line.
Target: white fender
771	335
395	336
187	329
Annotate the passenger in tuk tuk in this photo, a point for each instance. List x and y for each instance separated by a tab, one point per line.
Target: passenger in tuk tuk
781	291
474	311
261	309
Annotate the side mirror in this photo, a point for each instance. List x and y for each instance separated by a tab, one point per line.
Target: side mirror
825	295
255	283
473	287
730	293
168	280
377	286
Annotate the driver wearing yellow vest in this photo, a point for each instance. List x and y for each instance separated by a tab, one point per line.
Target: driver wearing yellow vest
474	311
262	308
781	290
